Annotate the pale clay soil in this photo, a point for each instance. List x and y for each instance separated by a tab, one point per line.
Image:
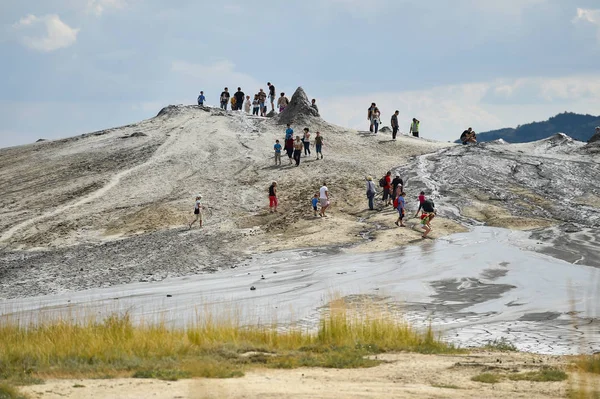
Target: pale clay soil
402	376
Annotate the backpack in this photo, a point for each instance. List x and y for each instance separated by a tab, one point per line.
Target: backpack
396	203
428	205
382	182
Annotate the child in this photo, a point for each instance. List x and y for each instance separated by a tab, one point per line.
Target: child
247	105
421	200
201	99
277	148
425	220
314	202
197	211
255	105
273	197
233	103
319	144
399	204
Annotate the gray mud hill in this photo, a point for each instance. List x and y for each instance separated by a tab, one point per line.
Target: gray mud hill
112	207
299	110
550	186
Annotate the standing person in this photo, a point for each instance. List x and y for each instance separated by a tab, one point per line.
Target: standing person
233	103
247	105
277	148
271	95
282	102
395	124
387	189
314	202
397	183
298	150
370	191
239	99
375	121
262	97
289	132
255	105
370	111
225	98
319	144
273	197
400	204
414	127
197	212
201	99
289	148
306	141
324	198
314	105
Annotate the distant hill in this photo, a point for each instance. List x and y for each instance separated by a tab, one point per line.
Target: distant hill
580	127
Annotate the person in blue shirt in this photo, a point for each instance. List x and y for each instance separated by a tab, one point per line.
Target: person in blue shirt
201	99
314	202
289	132
400	204
277	148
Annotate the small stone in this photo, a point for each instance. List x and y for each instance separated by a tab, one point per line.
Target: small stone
253	288
169	296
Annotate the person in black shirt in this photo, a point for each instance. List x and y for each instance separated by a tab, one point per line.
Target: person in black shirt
395	183
225	98
271	95
239	99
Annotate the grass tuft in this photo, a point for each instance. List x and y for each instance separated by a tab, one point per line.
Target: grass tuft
500	345
543	375
9	392
487	378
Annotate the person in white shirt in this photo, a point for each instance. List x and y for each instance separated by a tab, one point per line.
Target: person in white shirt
247	105
324	198
197	211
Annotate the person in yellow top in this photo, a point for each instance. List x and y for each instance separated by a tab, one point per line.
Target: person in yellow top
414	127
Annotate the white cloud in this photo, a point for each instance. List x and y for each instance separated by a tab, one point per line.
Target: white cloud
99	6
445	111
588	16
47	33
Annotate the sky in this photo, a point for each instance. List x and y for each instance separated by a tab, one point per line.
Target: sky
75	66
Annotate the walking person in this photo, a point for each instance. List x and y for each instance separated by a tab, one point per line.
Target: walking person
247	105
414	127
314	202
262	98
387	189
370	192
306	141
201	99
277	148
397	184
197	212
271	96
319	144
394	123
324	198
298	150
375	121
289	148
273	197
370	111
282	102
225	98
399	204
239	99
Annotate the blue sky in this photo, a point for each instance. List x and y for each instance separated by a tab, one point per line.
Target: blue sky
74	66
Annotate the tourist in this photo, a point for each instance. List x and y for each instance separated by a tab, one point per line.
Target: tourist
289	132
271	95
414	127
289	148
370	111
314	202
397	185
277	148
324	198
370	191
394	123
375	120
313	104
197	212
426	223
282	102
319	144
468	136
239	99
201	99
298	150
255	105
306	141
262	97
273	197
399	204
387	189
233	103
247	105
225	98
421	200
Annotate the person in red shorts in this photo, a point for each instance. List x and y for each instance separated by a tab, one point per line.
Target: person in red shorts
273	197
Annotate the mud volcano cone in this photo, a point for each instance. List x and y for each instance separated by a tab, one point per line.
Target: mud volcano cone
298	110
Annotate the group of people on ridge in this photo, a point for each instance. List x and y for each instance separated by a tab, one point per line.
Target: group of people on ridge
319	199
374	118
294	146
